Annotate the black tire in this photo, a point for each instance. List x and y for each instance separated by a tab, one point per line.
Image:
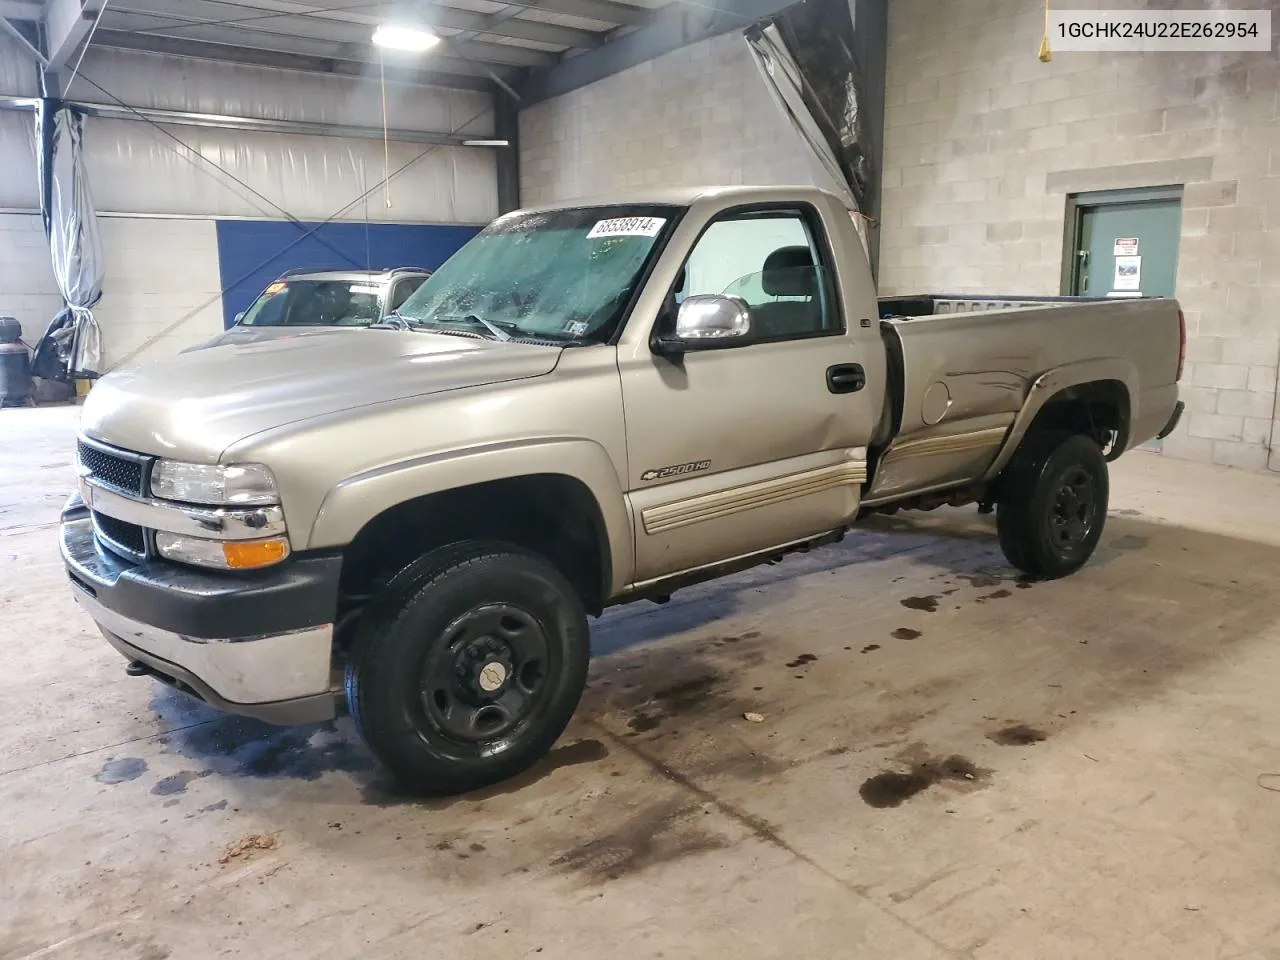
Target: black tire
1053	504
429	647
10	330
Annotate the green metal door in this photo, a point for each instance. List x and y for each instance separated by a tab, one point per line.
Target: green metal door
1127	249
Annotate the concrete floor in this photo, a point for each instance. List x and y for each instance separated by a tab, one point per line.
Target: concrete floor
1087	754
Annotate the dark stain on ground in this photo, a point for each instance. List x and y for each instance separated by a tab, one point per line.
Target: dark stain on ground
893	788
1128	542
1018	735
177	783
995	595
213	807
644	722
979	580
870	647
905	633
1025	584
660	834
801	661
382	792
686	695
927	604
1127	513
121	770
476	848
233	746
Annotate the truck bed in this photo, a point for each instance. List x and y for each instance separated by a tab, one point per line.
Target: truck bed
930	304
961	369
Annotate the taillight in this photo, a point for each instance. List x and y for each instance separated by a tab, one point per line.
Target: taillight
1182	343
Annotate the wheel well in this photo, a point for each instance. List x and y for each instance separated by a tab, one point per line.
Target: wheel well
553	515
1098	409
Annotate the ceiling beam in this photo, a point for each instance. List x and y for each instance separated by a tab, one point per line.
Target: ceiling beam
21	10
624	15
448	73
185	118
67	24
671	27
275	15
312	38
23	42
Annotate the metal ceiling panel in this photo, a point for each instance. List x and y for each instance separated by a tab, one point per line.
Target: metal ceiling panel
306	36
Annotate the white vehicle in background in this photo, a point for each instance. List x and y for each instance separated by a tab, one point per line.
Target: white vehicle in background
300	300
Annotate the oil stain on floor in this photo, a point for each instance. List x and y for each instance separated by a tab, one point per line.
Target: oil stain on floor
892	788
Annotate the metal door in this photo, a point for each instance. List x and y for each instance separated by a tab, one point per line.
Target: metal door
1126	249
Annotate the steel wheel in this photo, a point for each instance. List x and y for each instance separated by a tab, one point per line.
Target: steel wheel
1075	509
486	674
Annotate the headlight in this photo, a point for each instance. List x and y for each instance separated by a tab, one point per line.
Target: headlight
239	483
222	554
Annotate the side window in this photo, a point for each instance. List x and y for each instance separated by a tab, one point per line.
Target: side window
402	292
770	260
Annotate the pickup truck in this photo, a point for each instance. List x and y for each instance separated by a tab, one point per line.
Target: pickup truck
303	300
587	405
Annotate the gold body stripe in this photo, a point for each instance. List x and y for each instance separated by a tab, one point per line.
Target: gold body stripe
951	443
724	503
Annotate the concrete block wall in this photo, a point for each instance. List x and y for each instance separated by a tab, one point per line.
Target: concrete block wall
983	143
162	291
27	288
698	115
157	271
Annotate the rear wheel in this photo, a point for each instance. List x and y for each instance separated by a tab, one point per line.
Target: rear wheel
468	666
1053	504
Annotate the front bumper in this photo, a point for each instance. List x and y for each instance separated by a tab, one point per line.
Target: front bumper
259	645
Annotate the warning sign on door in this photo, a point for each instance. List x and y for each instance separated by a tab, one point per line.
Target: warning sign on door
1125	247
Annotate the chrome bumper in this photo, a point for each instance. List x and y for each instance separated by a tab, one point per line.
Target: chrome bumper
281	677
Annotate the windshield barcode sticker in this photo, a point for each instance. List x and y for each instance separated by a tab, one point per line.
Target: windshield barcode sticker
627	227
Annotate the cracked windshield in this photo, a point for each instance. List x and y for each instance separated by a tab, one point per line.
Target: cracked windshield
564	275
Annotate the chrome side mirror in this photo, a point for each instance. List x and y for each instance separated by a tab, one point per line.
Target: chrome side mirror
711	316
705	321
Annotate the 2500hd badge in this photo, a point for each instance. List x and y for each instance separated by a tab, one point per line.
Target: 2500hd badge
679	470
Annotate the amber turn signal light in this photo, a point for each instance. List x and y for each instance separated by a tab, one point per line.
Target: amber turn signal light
247	554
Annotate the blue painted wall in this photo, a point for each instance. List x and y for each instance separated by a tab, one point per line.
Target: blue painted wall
252	253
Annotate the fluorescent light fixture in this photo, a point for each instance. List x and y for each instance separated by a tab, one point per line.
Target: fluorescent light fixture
486	143
411	39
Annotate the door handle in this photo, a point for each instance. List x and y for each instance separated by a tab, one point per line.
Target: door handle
846	378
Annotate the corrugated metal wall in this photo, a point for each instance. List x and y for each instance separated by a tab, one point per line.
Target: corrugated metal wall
165	201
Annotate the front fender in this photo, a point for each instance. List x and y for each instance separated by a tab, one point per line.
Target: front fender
353	502
1052	382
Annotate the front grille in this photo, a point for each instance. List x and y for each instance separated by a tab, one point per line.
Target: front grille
127	538
112	470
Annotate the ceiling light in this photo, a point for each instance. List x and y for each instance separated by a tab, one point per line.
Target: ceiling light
411	39
486	143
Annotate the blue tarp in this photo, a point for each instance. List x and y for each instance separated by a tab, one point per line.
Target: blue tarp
252	253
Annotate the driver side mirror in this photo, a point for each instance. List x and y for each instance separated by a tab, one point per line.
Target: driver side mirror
239	317
706	321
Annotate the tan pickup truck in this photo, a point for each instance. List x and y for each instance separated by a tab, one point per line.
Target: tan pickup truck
587	405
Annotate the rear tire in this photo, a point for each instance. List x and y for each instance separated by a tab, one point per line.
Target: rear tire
467	666
1053	504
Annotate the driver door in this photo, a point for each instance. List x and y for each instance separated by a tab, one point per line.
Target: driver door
740	449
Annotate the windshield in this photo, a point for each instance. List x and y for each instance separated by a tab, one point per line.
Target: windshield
562	275
315	303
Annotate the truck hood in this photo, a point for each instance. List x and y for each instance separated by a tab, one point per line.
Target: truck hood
242	335
193	406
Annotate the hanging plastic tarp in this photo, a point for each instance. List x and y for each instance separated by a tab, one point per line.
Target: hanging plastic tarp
71	227
805	54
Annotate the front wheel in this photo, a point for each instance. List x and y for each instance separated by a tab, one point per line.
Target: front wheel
468	666
1053	504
